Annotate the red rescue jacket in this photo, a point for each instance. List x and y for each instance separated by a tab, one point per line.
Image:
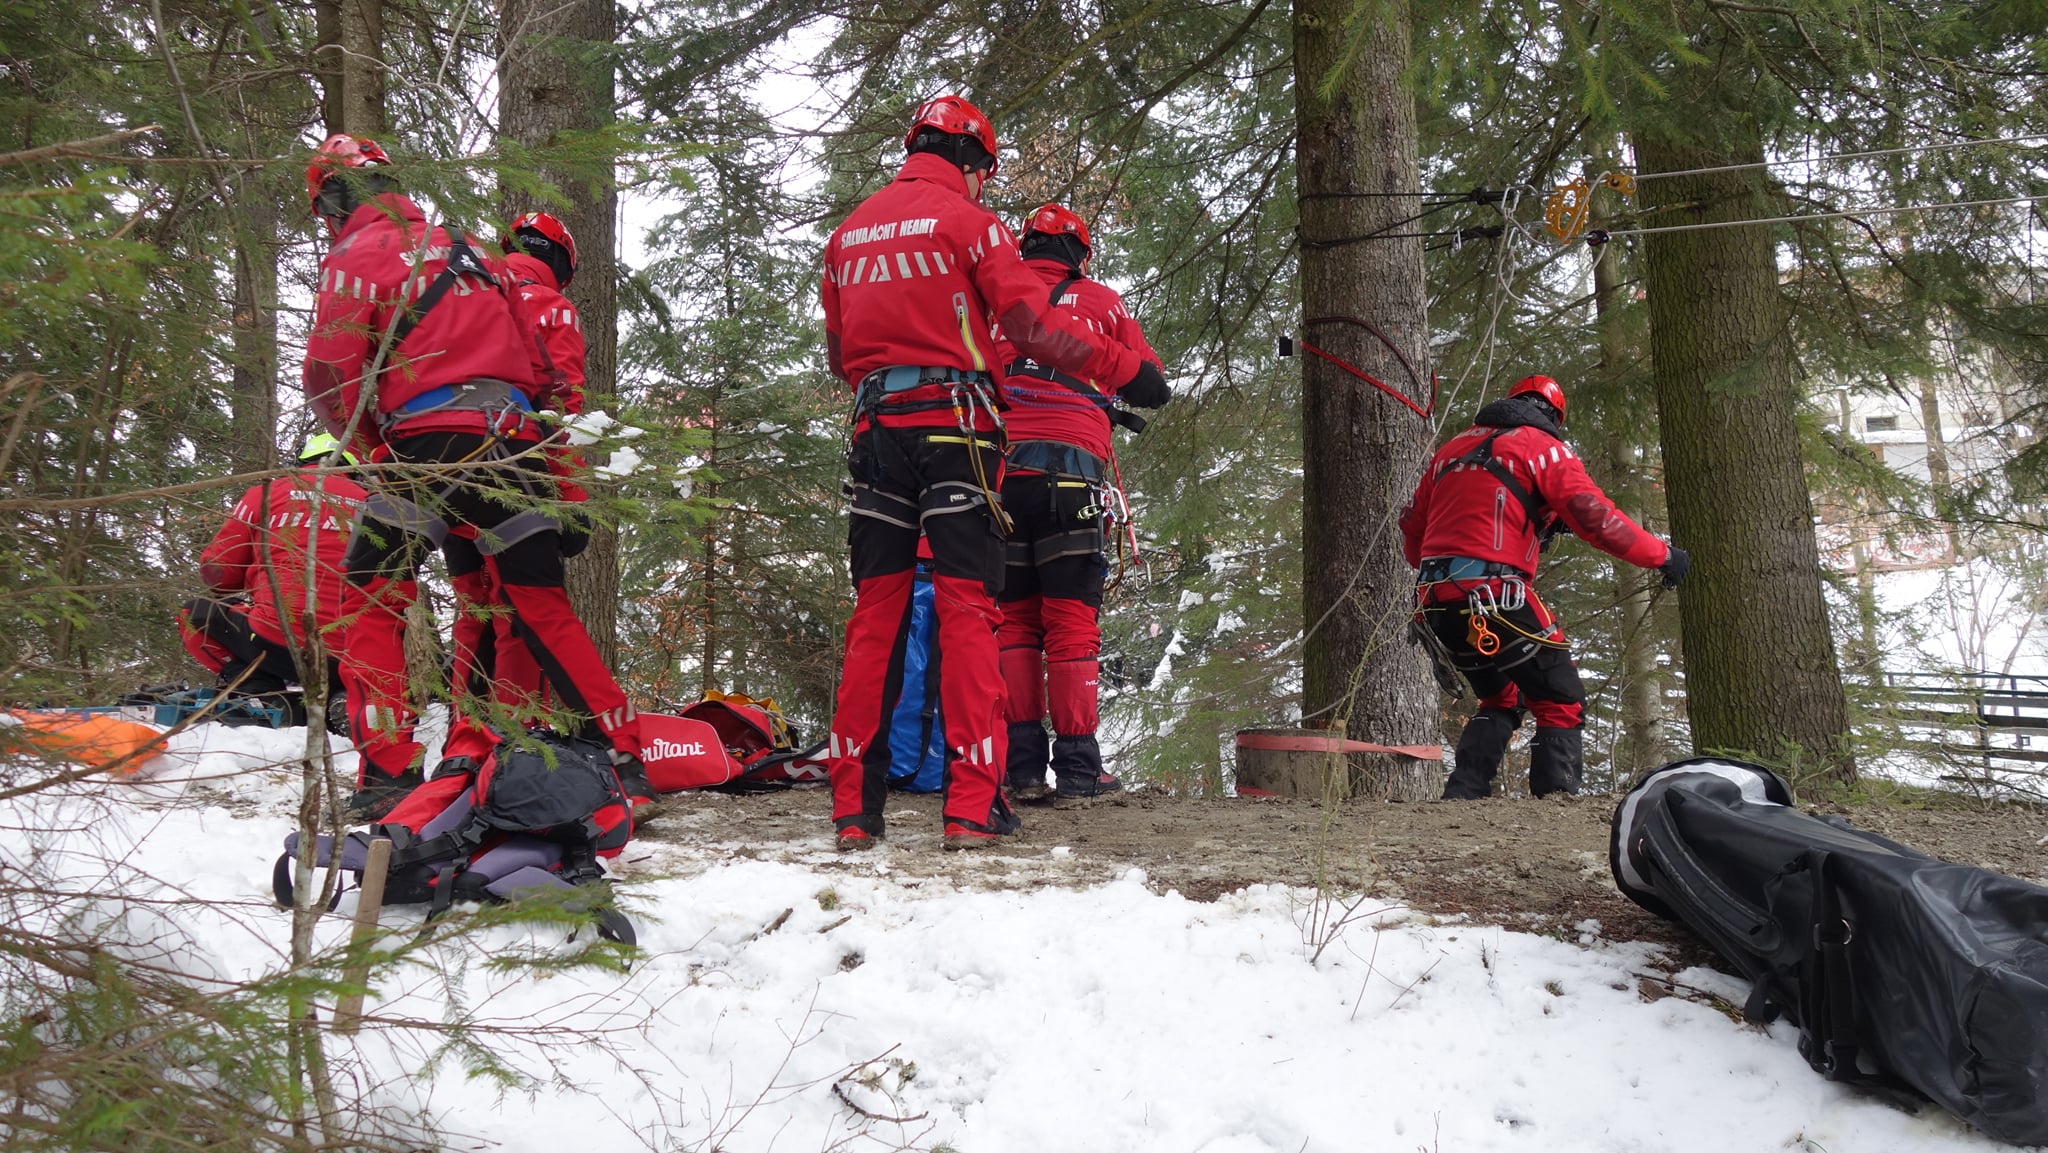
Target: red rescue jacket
919	273
1463	510
261	551
558	344
475	332
557	333
1042	408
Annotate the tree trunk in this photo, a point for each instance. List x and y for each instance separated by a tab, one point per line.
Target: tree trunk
349	63
1639	743
1761	674
1938	475
709	673
253	387
1362	450
556	75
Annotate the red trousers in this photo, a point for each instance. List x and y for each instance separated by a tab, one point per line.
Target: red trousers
496	680
409	511
906	480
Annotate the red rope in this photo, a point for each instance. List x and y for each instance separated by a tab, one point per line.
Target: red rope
1383	386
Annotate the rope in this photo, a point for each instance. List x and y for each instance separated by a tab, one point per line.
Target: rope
1604	235
1476	196
1413	376
1843	156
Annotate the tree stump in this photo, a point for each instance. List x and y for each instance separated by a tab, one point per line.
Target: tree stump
1320	764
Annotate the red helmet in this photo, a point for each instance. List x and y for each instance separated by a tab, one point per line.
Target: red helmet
337	152
954	114
1544	387
1052	219
548	225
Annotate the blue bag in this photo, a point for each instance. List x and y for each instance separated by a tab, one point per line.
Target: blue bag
917	733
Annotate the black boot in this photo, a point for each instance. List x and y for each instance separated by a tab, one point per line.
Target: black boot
1077	769
632	777
1480	749
1030	749
1557	761
378	795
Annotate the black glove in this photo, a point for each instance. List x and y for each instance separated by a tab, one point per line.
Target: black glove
1147	389
1675	566
575	535
1556	528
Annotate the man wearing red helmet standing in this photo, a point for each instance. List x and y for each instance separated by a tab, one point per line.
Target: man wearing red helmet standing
491	662
913	281
1487	502
1054	493
421	351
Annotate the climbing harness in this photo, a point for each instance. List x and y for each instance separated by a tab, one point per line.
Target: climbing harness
1488	601
968	394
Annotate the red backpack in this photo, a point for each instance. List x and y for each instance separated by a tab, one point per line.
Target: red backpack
540	813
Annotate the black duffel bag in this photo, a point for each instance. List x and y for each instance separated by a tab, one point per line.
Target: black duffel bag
1901	971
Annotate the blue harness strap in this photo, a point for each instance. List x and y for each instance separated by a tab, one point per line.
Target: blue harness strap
1464	568
464	397
904	377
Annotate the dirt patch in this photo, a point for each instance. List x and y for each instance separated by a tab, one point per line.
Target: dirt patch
1531	864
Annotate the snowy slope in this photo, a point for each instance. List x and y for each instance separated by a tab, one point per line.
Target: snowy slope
1112	1018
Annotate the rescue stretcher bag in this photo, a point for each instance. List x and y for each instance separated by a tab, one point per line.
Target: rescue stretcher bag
683	753
538	815
726	741
1900	970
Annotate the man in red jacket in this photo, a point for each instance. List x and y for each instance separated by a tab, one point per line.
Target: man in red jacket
913	281
491	663
1486	503
1055	491
421	349
261	554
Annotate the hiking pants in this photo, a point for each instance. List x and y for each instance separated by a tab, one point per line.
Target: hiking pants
907	480
1051	634
495	677
1532	669
490	485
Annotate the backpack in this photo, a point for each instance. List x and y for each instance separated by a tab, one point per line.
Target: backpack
539	814
1901	971
726	740
917	733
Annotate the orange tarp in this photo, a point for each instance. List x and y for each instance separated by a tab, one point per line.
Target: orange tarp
90	738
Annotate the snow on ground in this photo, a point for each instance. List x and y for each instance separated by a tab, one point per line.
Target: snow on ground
1112	1018
1975	615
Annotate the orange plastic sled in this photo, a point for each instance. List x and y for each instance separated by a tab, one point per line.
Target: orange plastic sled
90	738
